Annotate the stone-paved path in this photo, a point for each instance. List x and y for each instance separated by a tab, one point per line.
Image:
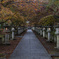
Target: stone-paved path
30	48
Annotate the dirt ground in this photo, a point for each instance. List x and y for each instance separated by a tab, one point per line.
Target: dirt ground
6	50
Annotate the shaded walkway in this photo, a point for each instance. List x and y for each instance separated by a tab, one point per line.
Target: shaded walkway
30	48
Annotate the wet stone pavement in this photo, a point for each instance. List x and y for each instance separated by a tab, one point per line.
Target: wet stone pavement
30	48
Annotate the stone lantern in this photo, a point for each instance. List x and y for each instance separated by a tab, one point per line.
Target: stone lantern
57	35
6	32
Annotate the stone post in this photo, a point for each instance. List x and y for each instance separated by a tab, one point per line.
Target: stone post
49	34
18	30
38	31
13	33
44	33
33	28
57	34
6	31
21	29
41	31
55	39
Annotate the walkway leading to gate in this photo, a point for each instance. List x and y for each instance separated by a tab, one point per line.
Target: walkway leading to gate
30	48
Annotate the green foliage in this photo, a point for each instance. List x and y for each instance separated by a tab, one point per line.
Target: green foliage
12	9
48	20
54	4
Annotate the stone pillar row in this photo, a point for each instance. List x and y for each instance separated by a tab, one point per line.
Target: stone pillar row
10	34
20	30
42	32
46	33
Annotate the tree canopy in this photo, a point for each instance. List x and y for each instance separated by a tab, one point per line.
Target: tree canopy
18	12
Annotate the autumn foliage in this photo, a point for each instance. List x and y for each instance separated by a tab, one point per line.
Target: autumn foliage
18	12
